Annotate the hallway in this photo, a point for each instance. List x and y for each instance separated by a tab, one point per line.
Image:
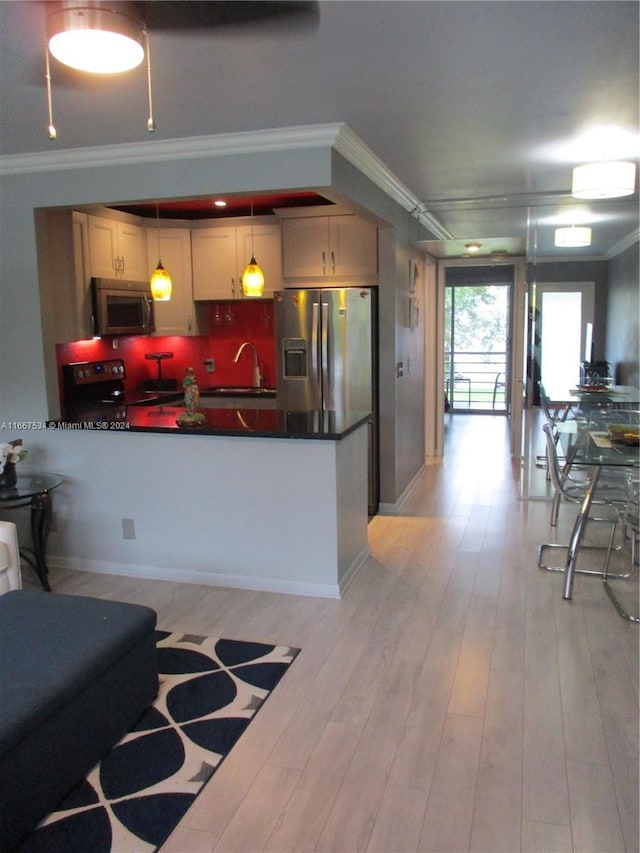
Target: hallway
451	701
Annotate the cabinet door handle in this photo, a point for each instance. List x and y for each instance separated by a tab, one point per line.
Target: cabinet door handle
324	263
333	262
121	265
233	287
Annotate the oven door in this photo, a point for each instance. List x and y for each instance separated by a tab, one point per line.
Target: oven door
121	312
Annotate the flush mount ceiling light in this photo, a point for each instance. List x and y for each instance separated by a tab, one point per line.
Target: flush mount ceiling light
605	179
473	247
252	277
98	38
572	237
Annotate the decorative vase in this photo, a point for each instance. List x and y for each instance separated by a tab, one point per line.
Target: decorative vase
9	476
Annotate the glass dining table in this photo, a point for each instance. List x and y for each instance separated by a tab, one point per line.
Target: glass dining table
589	446
593	398
34	491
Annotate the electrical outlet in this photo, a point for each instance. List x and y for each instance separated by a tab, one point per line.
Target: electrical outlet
210	364
114	343
128	528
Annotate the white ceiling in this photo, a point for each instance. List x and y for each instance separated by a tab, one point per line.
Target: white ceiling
477	107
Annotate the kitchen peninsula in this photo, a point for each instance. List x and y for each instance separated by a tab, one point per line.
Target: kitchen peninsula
256	498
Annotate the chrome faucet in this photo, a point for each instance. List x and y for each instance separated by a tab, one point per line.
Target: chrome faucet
257	378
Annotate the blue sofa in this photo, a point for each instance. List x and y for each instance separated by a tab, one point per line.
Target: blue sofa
76	674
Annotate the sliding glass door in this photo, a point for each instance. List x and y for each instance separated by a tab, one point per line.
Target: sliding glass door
477	339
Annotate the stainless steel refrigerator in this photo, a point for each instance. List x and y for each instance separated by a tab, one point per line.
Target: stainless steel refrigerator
326	356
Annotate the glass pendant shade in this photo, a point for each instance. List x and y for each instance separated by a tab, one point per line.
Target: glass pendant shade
253	279
572	237
161	284
612	179
95	38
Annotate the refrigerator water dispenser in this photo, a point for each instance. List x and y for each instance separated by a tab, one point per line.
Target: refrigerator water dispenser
295	358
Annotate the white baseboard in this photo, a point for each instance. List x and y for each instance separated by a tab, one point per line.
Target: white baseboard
354	568
256	584
396	508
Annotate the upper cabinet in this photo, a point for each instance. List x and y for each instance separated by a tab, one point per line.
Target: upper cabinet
118	249
178	316
221	252
329	247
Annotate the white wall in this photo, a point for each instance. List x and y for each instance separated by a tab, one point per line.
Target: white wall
275	514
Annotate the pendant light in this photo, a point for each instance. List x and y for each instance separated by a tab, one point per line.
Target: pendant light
252	277
97	37
161	284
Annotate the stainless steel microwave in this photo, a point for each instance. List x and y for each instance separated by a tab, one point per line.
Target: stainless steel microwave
121	307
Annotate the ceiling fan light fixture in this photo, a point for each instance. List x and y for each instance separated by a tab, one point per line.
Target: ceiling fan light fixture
604	179
96	38
572	237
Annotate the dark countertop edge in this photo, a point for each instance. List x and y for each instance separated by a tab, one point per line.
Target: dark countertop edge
151	398
360	419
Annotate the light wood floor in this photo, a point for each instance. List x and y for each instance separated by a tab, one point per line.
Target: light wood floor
451	701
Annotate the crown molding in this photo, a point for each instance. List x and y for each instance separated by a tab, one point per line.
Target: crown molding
335	136
183	148
353	149
624	244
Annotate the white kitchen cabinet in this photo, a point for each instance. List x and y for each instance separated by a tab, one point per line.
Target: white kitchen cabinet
220	254
329	247
117	249
178	316
63	272
83	313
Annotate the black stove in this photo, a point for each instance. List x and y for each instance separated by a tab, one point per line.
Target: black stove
94	390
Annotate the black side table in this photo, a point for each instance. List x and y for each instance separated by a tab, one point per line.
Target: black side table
33	490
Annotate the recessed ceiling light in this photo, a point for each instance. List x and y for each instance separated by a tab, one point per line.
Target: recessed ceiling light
219	202
473	247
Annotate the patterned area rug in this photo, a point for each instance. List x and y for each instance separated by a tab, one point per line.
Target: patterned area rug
210	690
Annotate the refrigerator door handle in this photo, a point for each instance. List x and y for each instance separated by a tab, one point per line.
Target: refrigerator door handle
326	368
314	339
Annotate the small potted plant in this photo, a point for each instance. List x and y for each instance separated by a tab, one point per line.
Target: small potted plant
11	452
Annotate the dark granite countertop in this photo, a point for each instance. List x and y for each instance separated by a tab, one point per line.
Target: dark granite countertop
246	421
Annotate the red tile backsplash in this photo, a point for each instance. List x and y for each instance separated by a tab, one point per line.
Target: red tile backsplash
230	324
